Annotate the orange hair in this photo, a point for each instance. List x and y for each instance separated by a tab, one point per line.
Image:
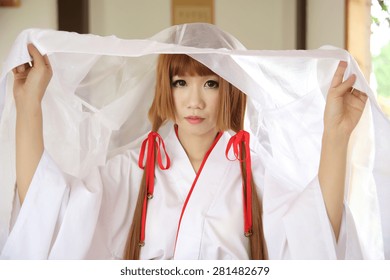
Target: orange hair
230	116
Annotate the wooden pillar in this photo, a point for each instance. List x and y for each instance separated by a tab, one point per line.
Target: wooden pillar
301	24
73	15
358	32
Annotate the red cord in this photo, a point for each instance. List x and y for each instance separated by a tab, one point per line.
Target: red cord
243	137
154	142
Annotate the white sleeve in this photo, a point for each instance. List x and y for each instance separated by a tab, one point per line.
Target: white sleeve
306	232
348	245
360	235
296	225
310	233
54	202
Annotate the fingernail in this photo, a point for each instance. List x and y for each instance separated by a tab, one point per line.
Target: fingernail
343	63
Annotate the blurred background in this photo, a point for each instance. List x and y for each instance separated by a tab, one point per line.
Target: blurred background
360	26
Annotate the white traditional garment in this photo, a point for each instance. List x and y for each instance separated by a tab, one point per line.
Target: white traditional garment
95	112
64	218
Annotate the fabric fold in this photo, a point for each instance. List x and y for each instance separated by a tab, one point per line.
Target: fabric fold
95	109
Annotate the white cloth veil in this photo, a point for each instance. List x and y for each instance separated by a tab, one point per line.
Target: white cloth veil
97	101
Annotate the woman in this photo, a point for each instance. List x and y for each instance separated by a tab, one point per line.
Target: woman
194	209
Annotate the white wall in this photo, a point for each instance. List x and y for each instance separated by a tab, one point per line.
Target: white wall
258	24
128	18
31	13
325	23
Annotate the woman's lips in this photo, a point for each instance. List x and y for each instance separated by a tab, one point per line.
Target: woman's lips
194	119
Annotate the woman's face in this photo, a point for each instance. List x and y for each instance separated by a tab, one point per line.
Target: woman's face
196	101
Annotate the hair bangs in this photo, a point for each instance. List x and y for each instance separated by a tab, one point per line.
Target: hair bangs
182	64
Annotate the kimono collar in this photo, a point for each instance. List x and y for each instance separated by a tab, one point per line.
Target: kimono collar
241	149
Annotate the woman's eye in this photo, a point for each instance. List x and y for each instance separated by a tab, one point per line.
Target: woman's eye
212	84
179	83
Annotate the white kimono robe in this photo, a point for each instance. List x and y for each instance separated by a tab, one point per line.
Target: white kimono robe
64	218
82	197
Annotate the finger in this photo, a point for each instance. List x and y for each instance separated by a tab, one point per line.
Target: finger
21	76
46	60
354	92
360	95
356	99
19	69
344	87
355	103
36	56
339	74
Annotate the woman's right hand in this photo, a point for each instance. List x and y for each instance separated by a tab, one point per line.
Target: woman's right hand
31	81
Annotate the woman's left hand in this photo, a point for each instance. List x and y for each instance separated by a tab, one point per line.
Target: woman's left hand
344	104
344	107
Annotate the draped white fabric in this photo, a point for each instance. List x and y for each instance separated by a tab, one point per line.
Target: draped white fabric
96	108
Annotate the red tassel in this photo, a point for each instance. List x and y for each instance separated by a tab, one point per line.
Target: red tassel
153	142
236	141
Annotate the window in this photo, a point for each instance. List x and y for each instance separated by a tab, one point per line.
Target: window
368	40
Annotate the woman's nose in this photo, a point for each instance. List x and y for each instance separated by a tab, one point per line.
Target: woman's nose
195	100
